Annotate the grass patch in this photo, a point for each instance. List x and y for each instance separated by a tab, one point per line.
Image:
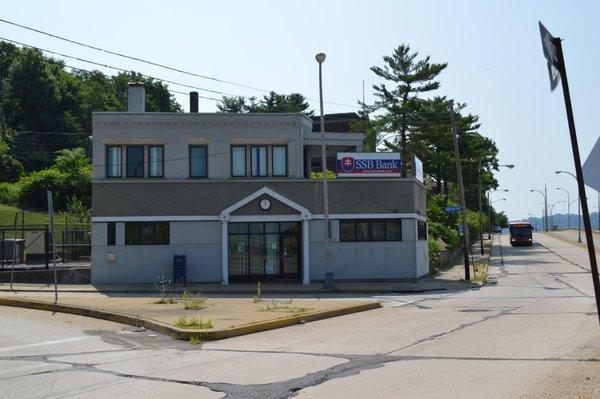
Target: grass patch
197	339
283	308
184	322
7	217
193	301
480	272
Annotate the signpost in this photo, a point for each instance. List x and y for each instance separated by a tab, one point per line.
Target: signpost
369	164
51	214
556	66
452	209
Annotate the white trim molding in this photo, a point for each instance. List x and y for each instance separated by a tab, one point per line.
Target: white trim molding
304	213
256	218
161	218
372	216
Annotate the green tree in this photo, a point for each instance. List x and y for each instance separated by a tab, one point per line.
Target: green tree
400	103
273	102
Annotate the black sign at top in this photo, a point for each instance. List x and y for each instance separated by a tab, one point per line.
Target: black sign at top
551	57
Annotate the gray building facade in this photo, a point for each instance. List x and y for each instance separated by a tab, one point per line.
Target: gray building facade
233	193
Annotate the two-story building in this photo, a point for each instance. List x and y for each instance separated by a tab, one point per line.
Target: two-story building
233	193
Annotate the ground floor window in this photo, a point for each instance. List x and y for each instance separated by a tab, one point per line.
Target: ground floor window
370	230
111	233
264	250
147	233
421	230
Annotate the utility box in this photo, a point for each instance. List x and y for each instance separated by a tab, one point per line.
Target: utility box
179	263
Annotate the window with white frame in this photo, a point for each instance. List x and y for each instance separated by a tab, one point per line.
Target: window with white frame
113	161
258	156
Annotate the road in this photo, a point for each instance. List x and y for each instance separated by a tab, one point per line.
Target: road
534	333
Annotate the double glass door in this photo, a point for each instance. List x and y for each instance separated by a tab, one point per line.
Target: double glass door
264	251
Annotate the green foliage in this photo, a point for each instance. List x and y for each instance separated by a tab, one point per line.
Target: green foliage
9	193
40	98
435	248
77	212
273	102
193	301
165	290
69	179
448	234
319	175
184	322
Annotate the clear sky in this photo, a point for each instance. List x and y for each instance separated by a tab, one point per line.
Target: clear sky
492	47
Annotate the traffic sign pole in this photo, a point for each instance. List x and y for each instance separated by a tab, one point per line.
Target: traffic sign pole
578	172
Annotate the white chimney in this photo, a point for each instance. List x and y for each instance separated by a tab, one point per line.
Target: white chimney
136	98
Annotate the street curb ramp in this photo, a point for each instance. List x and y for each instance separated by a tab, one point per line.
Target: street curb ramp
186	333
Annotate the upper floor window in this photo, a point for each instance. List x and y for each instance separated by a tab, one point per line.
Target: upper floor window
279	161
259	161
113	161
135	161
156	165
198	161
238	161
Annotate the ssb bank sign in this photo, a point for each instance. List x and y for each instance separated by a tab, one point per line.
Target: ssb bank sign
368	164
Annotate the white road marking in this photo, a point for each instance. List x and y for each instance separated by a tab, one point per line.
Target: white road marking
45	343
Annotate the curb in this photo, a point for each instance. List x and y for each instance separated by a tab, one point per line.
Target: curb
186	334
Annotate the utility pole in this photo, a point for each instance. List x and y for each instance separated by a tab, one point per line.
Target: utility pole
489	216
328	279
463	207
480	215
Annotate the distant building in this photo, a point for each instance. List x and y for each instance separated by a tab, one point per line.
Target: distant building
230	191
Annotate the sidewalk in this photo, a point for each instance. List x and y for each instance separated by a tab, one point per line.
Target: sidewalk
443	281
571	235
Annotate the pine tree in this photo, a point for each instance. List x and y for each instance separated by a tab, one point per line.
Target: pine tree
408	77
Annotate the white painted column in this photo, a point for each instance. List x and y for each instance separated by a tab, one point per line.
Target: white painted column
305	253
225	253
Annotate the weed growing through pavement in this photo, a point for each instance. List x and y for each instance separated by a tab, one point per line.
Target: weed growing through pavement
193	301
165	290
184	322
197	339
276	307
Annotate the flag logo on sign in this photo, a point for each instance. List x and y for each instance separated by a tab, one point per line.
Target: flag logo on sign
347	164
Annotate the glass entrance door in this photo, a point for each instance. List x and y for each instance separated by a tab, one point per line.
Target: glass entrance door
264	251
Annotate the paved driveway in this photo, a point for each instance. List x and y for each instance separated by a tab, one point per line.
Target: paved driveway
533	334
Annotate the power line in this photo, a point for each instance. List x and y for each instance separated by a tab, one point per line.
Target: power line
115	68
155	63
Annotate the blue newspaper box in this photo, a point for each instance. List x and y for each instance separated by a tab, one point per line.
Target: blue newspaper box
179	262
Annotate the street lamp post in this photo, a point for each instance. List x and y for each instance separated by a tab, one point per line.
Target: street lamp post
509	166
328	280
568	206
545	196
490	212
578	205
552	211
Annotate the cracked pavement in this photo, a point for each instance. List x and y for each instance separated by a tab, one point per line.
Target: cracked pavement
518	337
